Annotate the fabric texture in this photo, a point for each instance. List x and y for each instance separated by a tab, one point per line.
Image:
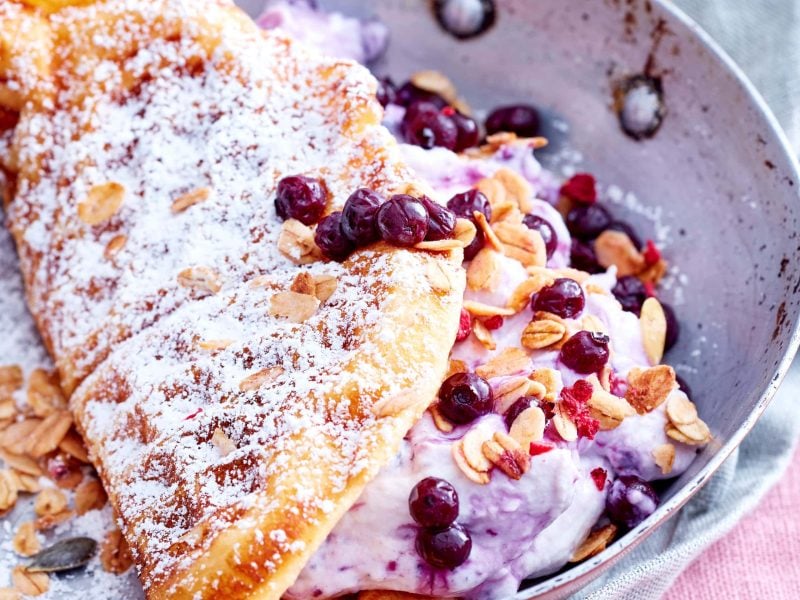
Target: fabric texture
763	37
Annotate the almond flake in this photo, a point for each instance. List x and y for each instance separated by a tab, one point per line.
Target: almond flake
471	446
296	242
223	443
295	307
616	248
442	424
483	272
304	284
608	409
508	391
25	542
456	366
30	584
597	541
508	362
489	235
653	323
436	82
439	245
681	410
465	231
522	243
550	379
203	279
461	462
8	490
494	190
516	187
49	433
528	426
505	211
89	495
564	425
698	432
479	309
538	335
521	296
664	456
214	345
73	444
438	277
648	388
44	393
114	245
678	436
101	203
22	463
49	501
115	556
188	199
260	378
483	335
325	286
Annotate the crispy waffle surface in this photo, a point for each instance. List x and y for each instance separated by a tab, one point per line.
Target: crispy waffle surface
230	440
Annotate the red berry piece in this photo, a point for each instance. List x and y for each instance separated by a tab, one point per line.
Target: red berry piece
464	326
651	254
599	476
574	402
493	322
581	187
538	448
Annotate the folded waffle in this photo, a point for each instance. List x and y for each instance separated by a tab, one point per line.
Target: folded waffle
235	401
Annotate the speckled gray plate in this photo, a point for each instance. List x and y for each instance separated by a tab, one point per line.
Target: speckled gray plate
719	168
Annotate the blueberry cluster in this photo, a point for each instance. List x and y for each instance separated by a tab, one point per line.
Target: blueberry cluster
441	542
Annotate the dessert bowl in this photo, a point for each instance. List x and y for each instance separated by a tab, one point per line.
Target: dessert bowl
717	183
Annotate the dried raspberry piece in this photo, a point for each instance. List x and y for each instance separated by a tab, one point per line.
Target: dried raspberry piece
650	253
464	326
581	187
193	415
599	477
495	322
650	289
573	401
538	448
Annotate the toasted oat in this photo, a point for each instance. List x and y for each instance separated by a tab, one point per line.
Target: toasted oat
471	446
521	296
10	594
539	335
325	286
89	495
456	366
616	248
593	288
11	378
648	388
101	203
479	309
528	426
304	283
21	463
202	279
17	436
653	323
442	424
465	231
438	277
522	243
564	425
44	393
214	345
608	409
8	490
436	82
295	307
260	378
461	462
483	272
48	434
592	323
296	242
25	542
664	456
8	410
550	379
184	201
25	483
597	541
489	235
505	453
507	362
508	391
30	584
223	443
49	501
115	556
114	245
73	444
517	188
483	335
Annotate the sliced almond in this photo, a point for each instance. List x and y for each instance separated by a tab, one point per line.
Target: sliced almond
49	433
30	584
542	334
49	501
304	284
202	279
325	286
648	388
471	446
698	432
465	231
17	436
528	426
564	425
8	490
494	190
295	307
461	462
73	444
681	410
517	188
442	424
26	542
664	457
508	391
89	495
115	556
484	271
521	296
597	541
550	379
214	345
479	309
101	203
616	248
676	434
439	245
21	463
438	276
184	201
11	378
483	335
436	82
114	245
522	243
506	454
507	362
653	323
296	242
593	288
222	442
260	378
490	236
610	405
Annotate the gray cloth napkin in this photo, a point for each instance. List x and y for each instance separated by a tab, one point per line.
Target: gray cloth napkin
763	37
